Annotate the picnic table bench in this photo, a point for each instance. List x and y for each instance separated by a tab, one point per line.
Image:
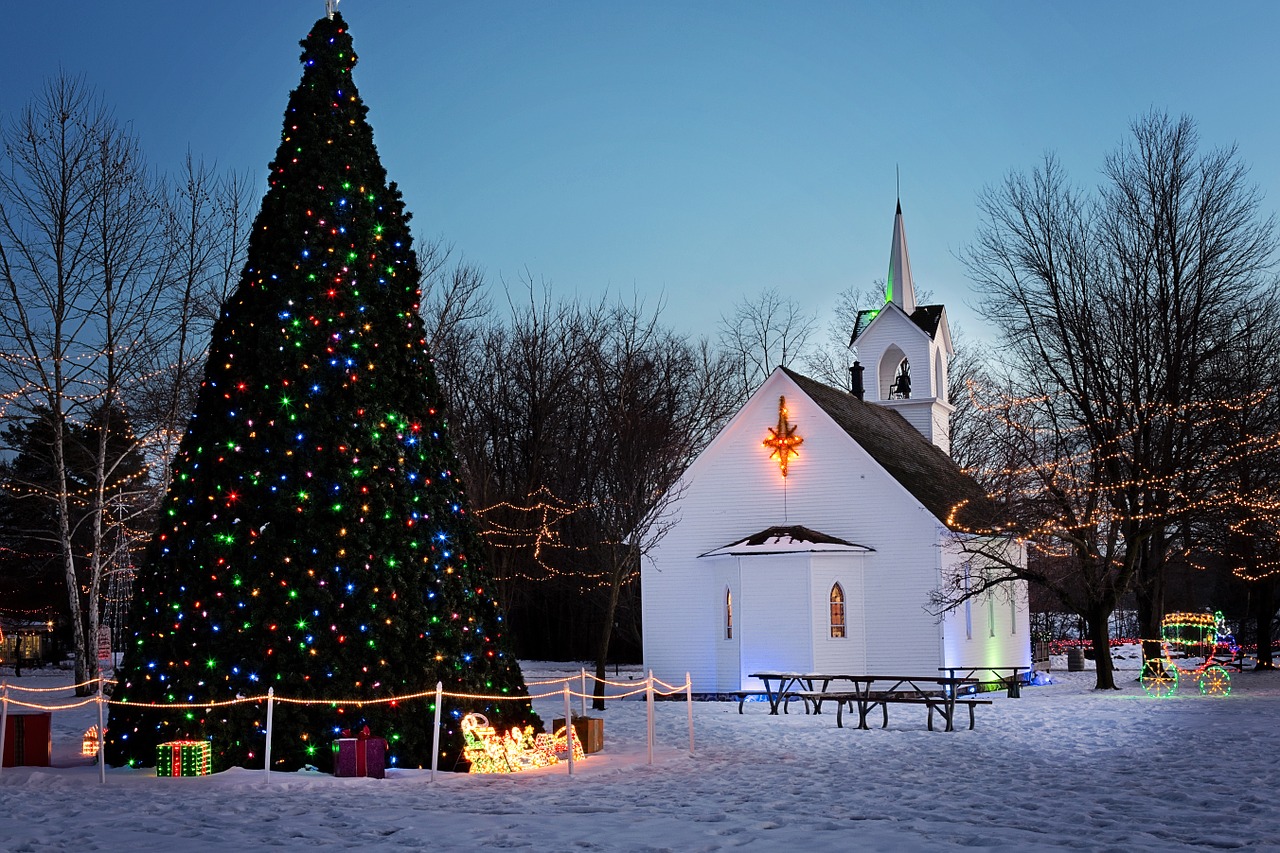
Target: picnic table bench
937	692
1006	676
786	699
934	702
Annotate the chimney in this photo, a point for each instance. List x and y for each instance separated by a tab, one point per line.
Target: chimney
855	379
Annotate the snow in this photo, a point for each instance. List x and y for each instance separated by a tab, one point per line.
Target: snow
1062	767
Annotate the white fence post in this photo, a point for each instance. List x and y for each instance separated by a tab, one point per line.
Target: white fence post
266	756
688	695
648	700
102	734
435	737
568	727
584	691
4	717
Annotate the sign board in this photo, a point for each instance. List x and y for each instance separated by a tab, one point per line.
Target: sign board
104	643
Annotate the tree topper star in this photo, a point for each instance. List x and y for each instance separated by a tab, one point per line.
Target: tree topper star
783	439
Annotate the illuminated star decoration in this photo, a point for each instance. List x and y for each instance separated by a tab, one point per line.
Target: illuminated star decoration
783	440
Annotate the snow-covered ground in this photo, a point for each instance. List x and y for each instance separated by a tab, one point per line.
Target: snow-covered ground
1062	767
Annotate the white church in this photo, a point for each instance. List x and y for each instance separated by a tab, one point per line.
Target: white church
811	531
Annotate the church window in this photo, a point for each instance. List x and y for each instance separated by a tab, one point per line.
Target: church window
837	611
728	614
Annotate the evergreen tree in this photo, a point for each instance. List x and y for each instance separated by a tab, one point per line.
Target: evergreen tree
314	538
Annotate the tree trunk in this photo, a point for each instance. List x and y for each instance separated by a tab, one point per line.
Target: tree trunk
1100	635
69	556
602	648
1149	594
1264	609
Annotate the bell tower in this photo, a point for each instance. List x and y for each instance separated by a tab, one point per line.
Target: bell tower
902	350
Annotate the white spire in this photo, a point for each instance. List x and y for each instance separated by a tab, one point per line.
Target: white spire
899	288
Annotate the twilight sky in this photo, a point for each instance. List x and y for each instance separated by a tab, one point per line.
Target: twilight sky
693	152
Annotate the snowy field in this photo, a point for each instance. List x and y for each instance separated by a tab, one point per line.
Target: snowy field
1062	767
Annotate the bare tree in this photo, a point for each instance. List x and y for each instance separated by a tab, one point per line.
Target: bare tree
514	392
656	401
1111	308
1243	534
762	334
207	222
80	262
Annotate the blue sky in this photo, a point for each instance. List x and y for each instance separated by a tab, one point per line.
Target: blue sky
691	152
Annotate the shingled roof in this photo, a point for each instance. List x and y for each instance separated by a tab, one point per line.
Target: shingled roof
926	317
930	475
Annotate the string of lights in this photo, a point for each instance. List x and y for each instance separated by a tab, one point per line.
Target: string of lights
314	538
633	690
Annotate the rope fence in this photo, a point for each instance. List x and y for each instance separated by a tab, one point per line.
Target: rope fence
651	687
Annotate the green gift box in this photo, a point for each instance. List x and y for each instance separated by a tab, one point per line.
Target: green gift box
183	758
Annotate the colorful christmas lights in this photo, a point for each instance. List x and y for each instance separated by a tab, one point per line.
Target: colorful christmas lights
1186	636
183	758
508	752
89	743
314	538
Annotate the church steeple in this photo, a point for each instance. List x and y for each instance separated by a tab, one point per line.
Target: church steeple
899	288
905	353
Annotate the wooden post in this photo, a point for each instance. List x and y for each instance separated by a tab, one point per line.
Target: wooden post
102	734
648	701
584	692
688	695
568	727
435	737
4	718
266	755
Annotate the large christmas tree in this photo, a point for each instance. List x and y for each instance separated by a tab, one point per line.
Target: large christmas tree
315	539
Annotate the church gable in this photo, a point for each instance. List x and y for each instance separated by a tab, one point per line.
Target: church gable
930	475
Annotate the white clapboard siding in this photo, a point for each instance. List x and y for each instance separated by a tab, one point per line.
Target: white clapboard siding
734	490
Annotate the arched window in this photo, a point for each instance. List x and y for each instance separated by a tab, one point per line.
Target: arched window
728	614
837	611
940	377
893	361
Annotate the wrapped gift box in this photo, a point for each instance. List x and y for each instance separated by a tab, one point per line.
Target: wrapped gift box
183	758
27	740
589	730
361	755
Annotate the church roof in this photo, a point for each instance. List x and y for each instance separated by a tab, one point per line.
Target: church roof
785	540
927	317
930	475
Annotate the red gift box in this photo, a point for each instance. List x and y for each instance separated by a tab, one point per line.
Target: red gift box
27	740
361	755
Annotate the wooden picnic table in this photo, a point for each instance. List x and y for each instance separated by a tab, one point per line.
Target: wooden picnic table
866	691
1012	685
778	684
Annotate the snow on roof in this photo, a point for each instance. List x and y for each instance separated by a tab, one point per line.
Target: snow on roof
786	540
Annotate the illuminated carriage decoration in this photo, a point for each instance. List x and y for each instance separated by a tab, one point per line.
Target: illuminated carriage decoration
1185	637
